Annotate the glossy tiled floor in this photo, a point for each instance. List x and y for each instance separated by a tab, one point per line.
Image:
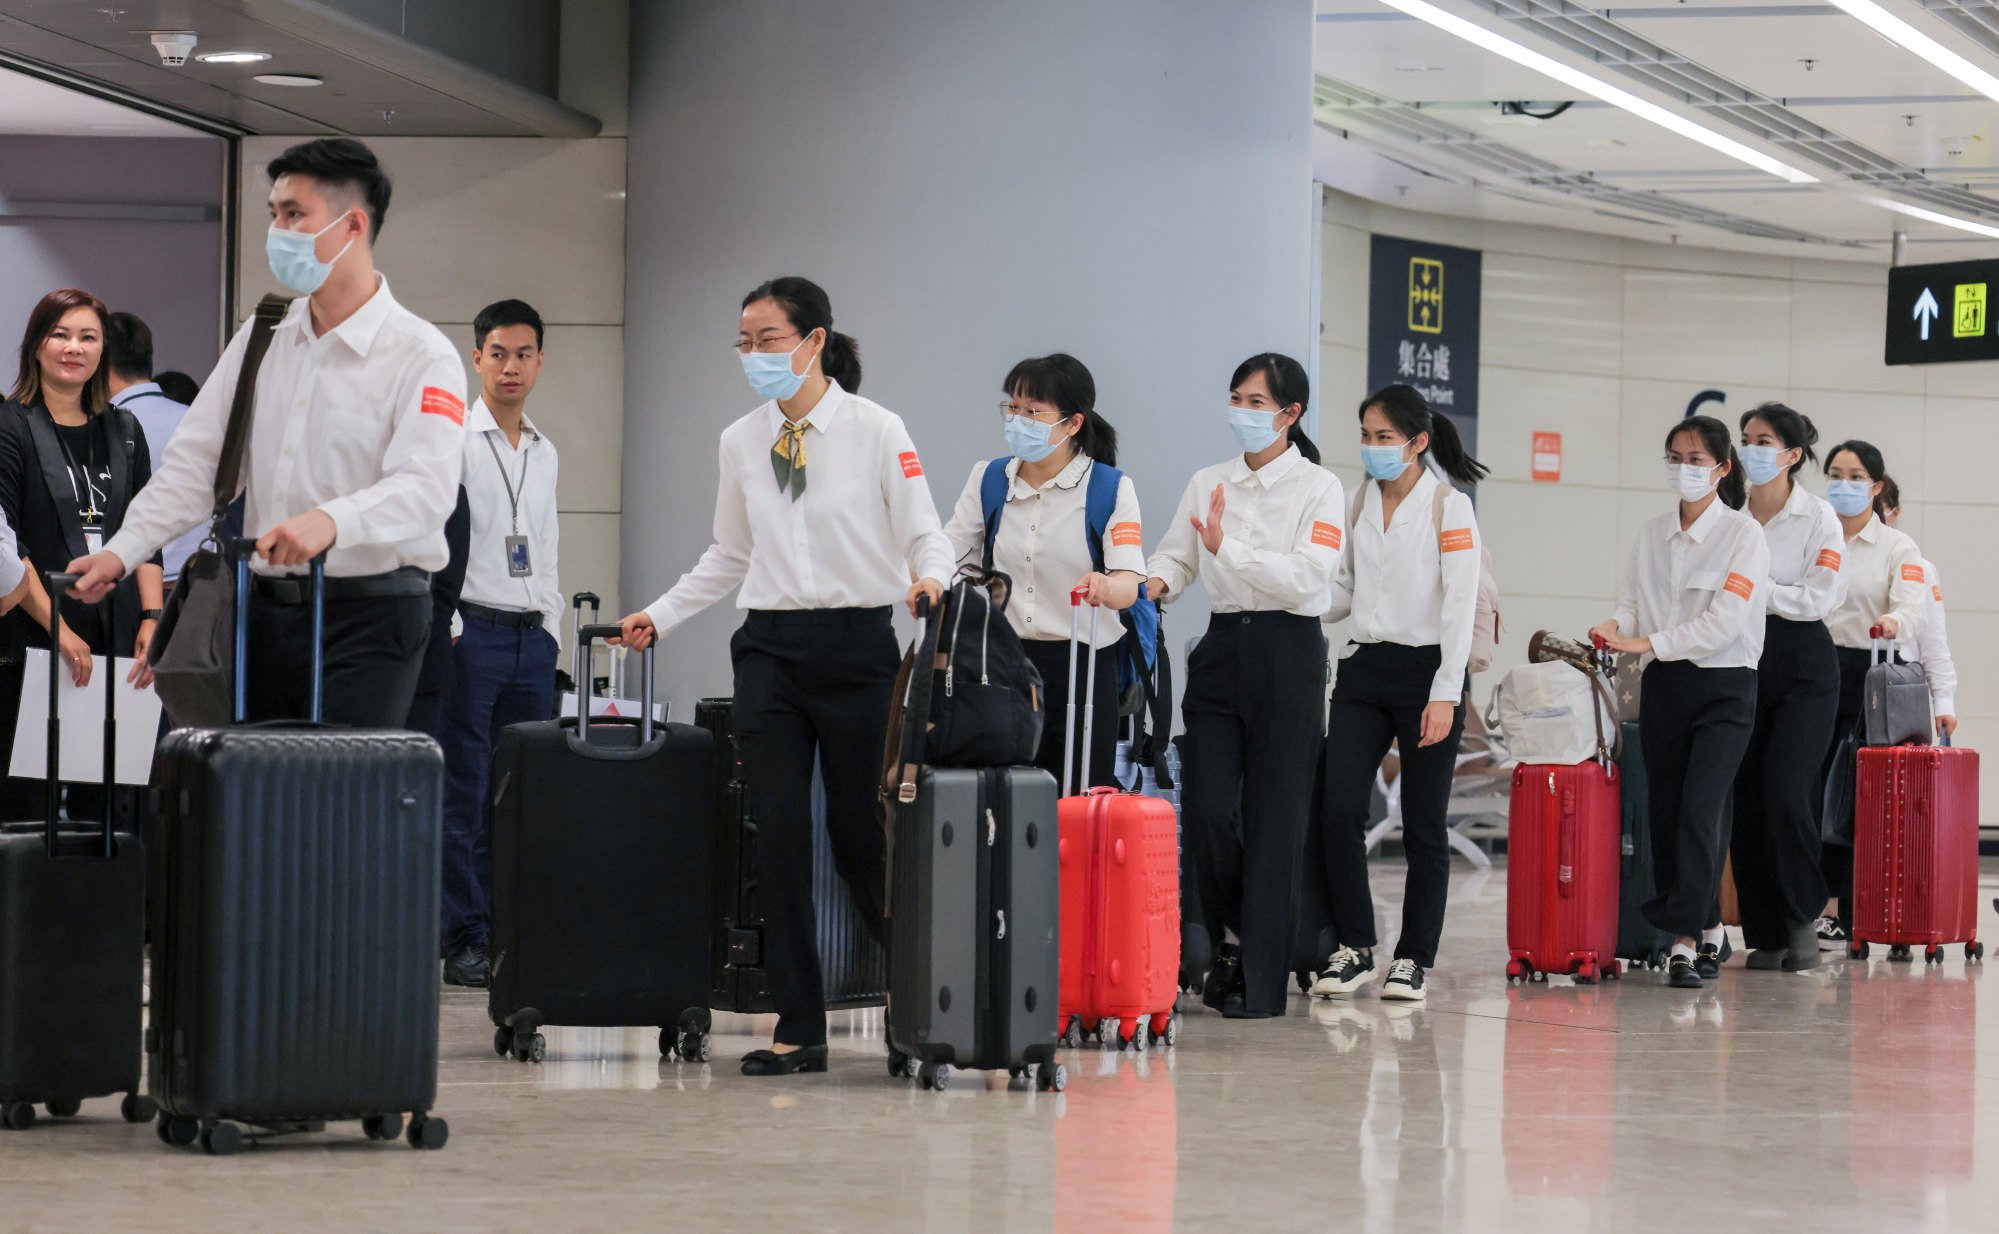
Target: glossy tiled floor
1850	1099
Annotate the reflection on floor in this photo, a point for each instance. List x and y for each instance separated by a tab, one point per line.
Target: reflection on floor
1847	1099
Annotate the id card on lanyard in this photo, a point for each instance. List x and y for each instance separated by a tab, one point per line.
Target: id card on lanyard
519	565
91	513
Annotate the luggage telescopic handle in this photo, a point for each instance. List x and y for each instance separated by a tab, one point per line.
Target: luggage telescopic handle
241	551
587	634
1069	756
57	584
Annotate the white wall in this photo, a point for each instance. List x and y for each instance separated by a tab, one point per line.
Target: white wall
1605	340
973	184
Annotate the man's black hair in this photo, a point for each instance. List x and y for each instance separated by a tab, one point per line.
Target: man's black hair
128	347
505	313
340	162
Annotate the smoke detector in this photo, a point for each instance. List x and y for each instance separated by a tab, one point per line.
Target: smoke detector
174	46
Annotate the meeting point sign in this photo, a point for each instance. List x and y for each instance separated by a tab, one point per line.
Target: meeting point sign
1938	313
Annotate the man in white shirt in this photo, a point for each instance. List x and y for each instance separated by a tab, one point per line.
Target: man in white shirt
354	452
128	360
510	608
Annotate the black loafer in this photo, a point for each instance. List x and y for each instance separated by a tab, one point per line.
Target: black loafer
770	1062
1707	961
1224	978
467	966
1681	973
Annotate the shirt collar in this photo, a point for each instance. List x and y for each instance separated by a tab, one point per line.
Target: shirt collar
1269	474
480	420
1867	532
1800	501
1069	477
1698	533
360	328
823	414
139	390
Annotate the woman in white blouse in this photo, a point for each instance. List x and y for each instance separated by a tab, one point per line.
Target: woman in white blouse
1027	515
1693	597
1933	645
1262	531
1410	583
823	516
1775	840
1887	586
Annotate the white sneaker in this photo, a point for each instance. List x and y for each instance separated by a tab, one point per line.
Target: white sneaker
1346	970
1405	982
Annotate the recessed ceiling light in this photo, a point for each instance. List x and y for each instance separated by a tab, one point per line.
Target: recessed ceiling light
288	79
1902	34
233	57
1931	216
1499	44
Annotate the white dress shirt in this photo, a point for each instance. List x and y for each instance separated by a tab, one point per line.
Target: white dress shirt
1806	547
365	422
1413	582
1044	545
529	471
1884	577
851	540
160	417
1698	594
1283	535
1933	649
12	568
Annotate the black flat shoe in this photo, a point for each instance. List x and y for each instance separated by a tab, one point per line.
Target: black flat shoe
1224	978
467	966
769	1062
1681	973
1707	961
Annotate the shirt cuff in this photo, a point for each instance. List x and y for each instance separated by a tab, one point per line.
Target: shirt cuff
346	521
125	547
1665	647
662	616
1944	705
1442	691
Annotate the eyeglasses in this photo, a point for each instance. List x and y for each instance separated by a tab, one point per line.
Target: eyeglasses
1008	409
1693	460
745	346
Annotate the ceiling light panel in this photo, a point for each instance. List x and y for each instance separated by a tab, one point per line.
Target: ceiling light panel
1906	36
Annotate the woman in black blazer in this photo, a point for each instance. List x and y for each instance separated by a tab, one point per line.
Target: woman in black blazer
69	465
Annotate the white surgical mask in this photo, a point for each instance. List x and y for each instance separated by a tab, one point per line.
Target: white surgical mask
1689	482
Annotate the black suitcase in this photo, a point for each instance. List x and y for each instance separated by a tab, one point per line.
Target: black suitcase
974	912
1638	940
601	872
72	946
294	918
852	964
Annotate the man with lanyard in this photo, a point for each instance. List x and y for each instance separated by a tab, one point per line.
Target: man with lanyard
509	610
354	451
128	359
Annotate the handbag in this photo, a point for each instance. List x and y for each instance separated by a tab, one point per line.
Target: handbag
1836	800
193	649
1896	701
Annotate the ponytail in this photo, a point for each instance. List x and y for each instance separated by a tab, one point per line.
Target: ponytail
807	307
1732	489
1410	413
1063	381
1304	443
1289	386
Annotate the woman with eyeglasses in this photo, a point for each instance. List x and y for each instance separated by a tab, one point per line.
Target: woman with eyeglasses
1693	597
1027	515
1262	532
823	517
70	463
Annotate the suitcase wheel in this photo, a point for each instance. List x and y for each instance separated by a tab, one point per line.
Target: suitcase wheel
1107	1034
1932	954
503	1041
1169	1035
137	1108
934	1075
177	1131
1974	953
1857	950
1586	973
382	1126
1052	1078
65	1109
1899	954
530	1048
428	1133
17	1116
1516	970
222	1139
1072	1033
898	1063
693	1047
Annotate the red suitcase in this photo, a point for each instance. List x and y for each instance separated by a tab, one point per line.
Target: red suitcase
1563	848
1120	933
1915	850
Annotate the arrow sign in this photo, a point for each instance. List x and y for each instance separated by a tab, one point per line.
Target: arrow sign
1926	312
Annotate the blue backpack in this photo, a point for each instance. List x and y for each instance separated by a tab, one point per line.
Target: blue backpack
1143	673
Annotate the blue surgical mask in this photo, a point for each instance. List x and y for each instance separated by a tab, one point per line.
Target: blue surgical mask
1850	497
1761	464
1029	439
1384	463
770	373
1255	431
295	263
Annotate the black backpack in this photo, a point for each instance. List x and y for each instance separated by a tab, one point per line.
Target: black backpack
982	697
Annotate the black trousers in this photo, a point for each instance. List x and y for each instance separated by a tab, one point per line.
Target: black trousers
1775	835
1051	659
1697	725
1378	698
819	680
374	651
1836	860
1255	690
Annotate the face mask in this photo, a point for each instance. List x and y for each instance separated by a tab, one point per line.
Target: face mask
295	263
1690	482
1850	497
770	374
1384	463
1761	464
1255	431
1029	439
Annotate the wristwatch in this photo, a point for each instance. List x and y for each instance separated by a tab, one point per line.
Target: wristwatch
151	614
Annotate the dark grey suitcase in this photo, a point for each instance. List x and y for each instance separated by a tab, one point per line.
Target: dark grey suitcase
72	942
295	911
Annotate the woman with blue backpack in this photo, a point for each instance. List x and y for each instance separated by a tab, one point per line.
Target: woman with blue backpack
1056	516
1264	532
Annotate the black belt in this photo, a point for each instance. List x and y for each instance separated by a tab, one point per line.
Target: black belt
501	616
297	589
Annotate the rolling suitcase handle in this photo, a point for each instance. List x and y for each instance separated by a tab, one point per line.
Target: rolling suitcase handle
1069	758
587	634
56	585
240	551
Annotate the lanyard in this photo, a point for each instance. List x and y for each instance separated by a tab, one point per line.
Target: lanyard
513	494
90	514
